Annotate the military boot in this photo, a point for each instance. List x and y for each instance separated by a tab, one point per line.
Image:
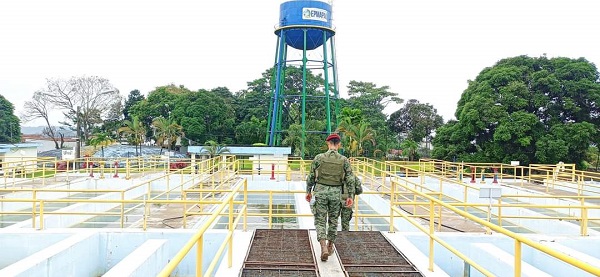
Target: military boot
324	253
330	248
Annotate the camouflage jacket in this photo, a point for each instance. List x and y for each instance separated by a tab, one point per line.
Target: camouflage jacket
348	182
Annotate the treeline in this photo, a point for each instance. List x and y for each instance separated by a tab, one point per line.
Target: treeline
532	110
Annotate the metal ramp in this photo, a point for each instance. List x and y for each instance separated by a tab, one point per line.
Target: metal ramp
280	252
370	254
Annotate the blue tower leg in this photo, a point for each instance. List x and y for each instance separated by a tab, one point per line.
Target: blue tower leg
280	61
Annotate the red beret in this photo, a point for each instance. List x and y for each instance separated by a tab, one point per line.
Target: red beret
332	136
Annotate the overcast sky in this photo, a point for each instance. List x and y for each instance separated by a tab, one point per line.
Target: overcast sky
424	50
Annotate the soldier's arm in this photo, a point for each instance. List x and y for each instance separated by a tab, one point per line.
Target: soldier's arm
349	179
311	180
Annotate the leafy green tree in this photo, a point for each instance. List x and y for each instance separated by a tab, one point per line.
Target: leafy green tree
535	110
415	121
133	98
135	131
360	133
372	100
10	127
205	116
293	138
251	131
161	102
409	148
167	132
101	139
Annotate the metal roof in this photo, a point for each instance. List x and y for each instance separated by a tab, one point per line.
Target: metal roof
243	150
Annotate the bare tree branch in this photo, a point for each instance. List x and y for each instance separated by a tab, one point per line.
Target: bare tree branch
92	94
38	108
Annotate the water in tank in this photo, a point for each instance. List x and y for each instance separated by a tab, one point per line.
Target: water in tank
298	15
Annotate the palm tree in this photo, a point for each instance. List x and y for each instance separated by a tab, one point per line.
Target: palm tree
101	139
361	133
294	138
135	130
167	131
410	147
212	148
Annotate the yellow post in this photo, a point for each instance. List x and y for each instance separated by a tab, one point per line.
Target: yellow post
414	205
500	211
145	214
199	246
42	215
33	210
584	218
440	211
43	174
270	208
465	196
517	258
230	251
548	180
245	203
127	170
101	164
184	195
392	200
122	209
431	234
356	198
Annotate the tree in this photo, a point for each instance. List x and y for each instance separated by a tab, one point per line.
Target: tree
101	139
133	98
415	121
410	147
10	127
52	132
92	94
213	149
293	138
372	100
534	110
135	131
251	131
360	133
167	132
38	107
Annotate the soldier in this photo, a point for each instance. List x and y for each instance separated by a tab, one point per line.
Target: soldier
346	212
328	172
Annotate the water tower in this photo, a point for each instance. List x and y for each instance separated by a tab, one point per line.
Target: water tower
305	41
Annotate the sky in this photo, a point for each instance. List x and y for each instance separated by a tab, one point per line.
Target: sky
424	50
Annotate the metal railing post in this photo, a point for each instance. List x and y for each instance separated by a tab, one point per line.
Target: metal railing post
392	200
517	258
199	246
230	251
431	234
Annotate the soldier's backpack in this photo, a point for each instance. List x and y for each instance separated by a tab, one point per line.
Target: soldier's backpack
358	189
331	170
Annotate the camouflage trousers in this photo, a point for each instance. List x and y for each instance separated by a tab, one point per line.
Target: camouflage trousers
326	210
346	214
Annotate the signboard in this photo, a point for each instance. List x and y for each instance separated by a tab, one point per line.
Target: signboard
68	154
490	192
514	163
314	14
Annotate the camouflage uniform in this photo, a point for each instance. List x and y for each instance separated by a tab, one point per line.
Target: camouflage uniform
327	198
346	212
